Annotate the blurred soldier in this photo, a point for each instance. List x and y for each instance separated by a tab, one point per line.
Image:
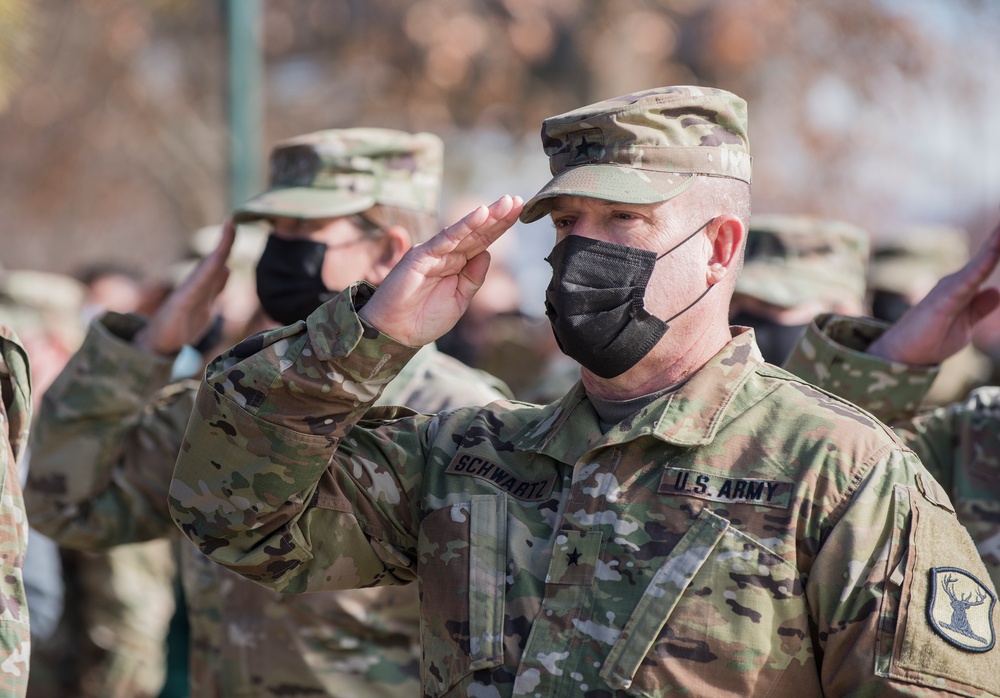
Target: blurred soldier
795	268
906	263
110	642
109	286
889	369
15	415
43	308
688	519
344	204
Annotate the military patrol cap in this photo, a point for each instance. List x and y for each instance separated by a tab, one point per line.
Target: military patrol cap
644	147
340	172
915	257
794	258
38	300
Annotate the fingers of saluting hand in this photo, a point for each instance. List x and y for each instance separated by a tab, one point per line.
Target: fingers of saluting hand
982	264
477	230
211	273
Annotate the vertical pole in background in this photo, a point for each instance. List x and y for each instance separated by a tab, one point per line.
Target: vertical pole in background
245	102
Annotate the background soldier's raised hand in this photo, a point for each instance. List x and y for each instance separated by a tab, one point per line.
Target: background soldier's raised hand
430	288
187	313
942	323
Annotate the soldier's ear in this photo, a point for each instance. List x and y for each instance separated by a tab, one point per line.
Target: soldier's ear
726	234
391	247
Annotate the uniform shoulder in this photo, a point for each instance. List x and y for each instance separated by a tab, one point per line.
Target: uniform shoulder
799	400
448	368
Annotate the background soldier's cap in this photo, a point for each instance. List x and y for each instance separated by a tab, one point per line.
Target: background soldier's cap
33	300
790	259
644	147
340	172
913	258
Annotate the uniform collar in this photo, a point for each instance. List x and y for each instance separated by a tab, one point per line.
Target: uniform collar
691	415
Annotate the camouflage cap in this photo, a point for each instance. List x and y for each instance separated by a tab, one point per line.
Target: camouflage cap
33	300
340	172
644	147
794	258
913	258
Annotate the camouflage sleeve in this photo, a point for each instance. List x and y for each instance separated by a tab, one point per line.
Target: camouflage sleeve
831	354
270	481
889	583
15	417
958	444
105	441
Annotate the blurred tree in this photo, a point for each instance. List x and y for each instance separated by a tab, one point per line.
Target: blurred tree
15	37
116	133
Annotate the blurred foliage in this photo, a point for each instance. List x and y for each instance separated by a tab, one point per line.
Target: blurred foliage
15	40
117	131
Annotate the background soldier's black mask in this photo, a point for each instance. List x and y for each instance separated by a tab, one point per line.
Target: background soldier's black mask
775	341
289	279
595	303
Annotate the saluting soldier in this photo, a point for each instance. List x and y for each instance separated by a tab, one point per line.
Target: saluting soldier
688	519
889	370
343	204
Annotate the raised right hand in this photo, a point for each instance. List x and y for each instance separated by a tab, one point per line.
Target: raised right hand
942	322
188	311
431	286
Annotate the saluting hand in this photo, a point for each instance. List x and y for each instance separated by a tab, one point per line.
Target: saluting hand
431	286
943	321
188	311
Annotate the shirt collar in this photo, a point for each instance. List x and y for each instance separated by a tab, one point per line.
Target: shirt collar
691	415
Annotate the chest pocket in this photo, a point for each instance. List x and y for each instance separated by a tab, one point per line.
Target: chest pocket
723	616
461	622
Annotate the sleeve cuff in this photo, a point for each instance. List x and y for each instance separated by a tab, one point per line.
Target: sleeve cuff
832	355
108	350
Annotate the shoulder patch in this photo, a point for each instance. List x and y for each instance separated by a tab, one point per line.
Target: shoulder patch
960	609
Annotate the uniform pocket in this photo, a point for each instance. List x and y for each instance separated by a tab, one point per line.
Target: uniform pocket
723	616
461	622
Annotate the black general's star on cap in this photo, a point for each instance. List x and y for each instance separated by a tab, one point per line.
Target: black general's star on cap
573	558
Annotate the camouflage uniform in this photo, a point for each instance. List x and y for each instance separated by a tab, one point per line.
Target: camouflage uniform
109	643
15	637
107	438
957	442
112	409
742	534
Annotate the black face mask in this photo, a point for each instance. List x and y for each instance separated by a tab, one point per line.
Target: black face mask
889	306
775	341
289	279
595	303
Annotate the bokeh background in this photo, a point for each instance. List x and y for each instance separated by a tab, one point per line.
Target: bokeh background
114	130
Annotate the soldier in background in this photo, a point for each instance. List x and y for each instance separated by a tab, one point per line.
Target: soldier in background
688	518
44	308
888	369
110	641
906	264
343	204
15	416
795	268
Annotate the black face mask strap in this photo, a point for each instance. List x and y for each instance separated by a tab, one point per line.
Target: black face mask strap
703	293
691	305
704	225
